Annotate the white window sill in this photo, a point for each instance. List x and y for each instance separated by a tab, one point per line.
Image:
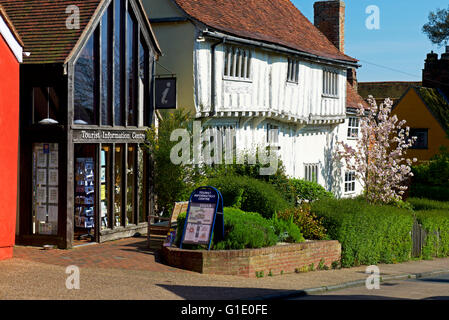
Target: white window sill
292	83
225	78
329	96
353	138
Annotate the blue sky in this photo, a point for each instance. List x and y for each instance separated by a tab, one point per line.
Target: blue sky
399	43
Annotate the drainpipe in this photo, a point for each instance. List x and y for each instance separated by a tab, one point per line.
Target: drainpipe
222	41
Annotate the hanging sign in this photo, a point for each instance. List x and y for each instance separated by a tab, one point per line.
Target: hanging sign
165	93
204	217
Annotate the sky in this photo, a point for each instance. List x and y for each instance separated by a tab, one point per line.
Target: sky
396	51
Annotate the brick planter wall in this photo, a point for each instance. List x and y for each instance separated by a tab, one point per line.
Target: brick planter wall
285	258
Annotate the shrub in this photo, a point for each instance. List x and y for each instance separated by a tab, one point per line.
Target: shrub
427	204
436	225
369	234
310	191
279	180
310	225
250	195
431	180
172	182
242	230
286	230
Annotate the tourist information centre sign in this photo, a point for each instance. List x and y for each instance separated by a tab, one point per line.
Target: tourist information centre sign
204	217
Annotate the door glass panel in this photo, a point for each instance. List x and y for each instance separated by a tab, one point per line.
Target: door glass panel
118	189
85	192
131	184
141	184
45	188
105	186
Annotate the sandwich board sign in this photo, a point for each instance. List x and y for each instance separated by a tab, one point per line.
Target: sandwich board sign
204	217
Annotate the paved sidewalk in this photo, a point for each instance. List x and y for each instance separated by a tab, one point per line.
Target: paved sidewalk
126	270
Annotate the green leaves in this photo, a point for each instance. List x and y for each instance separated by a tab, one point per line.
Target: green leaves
437	29
369	234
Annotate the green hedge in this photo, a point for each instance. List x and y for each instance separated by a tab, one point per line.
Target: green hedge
250	195
248	230
368	234
307	190
420	204
436	225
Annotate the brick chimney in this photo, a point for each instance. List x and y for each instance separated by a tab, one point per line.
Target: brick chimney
436	71
330	20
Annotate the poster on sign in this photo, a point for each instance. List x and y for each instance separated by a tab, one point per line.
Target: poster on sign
201	221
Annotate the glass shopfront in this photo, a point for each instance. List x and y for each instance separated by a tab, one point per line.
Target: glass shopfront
84	172
112	190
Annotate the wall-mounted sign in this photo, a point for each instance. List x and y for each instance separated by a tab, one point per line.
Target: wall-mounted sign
108	135
165	93
204	217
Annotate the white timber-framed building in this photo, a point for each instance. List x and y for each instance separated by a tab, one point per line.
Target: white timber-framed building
261	71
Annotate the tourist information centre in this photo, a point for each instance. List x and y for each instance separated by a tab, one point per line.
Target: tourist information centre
85	104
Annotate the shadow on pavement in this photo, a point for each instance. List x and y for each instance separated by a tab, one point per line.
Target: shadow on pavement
224	293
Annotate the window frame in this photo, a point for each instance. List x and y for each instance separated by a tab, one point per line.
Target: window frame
352	127
421	130
235	64
293	71
349	183
309	170
120	61
330	83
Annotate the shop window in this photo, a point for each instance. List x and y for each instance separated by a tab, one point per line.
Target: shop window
142	184
85	83
45	184
46	104
131	184
85	192
118	185
105	186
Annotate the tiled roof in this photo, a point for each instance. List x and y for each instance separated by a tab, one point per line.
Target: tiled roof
383	90
353	99
277	22
11	27
42	26
438	104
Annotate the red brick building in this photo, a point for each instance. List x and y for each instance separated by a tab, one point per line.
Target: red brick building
10	58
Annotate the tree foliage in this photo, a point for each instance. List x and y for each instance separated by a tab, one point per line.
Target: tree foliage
378	160
437	29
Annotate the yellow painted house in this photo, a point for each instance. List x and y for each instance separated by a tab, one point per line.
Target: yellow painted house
426	111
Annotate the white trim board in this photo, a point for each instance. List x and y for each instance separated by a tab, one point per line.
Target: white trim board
15	47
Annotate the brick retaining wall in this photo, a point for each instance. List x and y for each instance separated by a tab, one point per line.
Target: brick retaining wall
285	258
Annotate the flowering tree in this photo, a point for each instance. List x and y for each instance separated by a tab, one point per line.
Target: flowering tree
378	160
